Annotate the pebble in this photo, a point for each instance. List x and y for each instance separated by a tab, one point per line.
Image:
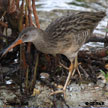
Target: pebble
74	88
35	92
44	75
83	86
1	103
91	84
106	87
100	83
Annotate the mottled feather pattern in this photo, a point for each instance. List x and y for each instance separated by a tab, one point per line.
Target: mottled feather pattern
65	35
74	23
72	30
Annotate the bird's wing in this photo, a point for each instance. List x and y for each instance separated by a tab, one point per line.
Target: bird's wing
75	23
74	29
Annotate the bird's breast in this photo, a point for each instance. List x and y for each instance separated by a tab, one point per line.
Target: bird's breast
71	52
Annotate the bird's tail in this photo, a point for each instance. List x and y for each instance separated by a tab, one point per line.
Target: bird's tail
100	15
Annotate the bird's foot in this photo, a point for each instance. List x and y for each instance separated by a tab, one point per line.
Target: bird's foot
59	92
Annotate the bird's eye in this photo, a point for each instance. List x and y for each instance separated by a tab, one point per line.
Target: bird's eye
24	36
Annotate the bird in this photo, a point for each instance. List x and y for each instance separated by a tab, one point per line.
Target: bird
65	35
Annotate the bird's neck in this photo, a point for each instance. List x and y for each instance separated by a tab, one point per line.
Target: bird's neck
41	41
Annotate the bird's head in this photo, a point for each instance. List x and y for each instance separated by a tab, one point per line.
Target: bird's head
29	34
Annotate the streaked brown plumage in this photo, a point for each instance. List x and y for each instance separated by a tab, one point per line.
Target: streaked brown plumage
65	35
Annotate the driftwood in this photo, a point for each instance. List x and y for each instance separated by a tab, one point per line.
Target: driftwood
100	53
97	38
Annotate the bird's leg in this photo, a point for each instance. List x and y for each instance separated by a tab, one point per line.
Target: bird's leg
71	68
76	62
76	65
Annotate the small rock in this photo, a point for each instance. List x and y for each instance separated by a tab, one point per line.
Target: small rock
96	88
35	92
106	87
1	103
74	87
106	66
91	84
60	86
102	78
44	75
100	83
82	86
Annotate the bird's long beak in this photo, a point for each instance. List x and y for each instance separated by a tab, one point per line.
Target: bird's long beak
17	42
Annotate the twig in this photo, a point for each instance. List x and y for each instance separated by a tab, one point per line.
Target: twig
12	6
35	71
35	14
29	11
17	3
3	24
26	16
85	73
30	23
21	17
37	58
26	82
